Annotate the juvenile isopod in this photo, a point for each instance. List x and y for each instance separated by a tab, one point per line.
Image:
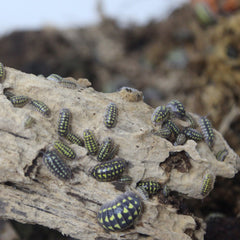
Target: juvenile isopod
73	138
64	150
19	101
221	155
176	108
169	124
56	165
68	84
41	107
105	149
111	114
120	213
207	130
90	142
207	185
193	134
160	114
54	77
150	186
64	122
109	170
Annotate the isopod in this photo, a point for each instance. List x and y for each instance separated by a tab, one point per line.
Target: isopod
56	165
73	138
41	107
111	114
19	101
120	213
150	186
176	108
64	150
160	114
64	122
207	185
109	170
105	149
90	142
207	130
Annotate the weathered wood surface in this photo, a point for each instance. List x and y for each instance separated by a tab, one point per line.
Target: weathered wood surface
30	194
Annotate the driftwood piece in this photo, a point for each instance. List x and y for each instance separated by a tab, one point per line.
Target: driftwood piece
30	194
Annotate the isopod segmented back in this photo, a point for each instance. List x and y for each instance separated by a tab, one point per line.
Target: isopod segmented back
73	138
193	134
150	186
54	77
169	124
19	101
111	114
56	165
41	107
160	114
109	170
207	130
64	122
105	149
120	213
64	150
221	155
177	108
207	185
90	142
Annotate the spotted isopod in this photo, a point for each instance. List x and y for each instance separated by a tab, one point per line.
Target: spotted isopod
207	130
160	114
19	101
73	138
150	186
105	149
207	185
90	142
176	108
41	107
68	84
171	126
55	77
109	170
221	155
120	213
193	134
64	122
2	72
56	165
64	150
111	114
